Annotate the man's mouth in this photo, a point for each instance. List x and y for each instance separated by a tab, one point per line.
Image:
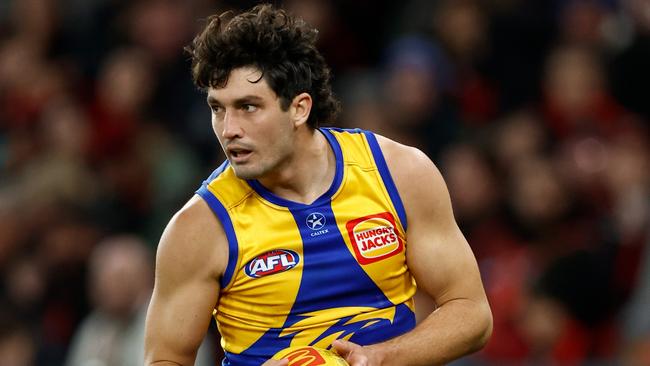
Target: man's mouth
239	155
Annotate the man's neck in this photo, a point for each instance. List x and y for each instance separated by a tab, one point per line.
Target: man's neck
308	173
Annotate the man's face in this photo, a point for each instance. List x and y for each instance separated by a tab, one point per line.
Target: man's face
254	132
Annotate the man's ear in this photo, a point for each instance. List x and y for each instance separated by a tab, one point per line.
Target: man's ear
300	109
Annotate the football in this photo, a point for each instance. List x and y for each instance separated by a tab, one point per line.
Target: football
310	356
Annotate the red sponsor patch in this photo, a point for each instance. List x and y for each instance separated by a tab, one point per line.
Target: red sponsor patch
374	237
305	357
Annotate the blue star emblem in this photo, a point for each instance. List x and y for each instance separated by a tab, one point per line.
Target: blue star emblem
315	220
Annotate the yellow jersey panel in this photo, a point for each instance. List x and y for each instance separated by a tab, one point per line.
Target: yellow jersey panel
308	274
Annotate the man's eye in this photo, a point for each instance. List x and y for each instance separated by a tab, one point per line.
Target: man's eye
249	108
216	109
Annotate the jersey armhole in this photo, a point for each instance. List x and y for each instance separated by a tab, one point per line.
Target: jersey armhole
384	172
222	214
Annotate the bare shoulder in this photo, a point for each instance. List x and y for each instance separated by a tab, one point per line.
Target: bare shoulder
403	157
193	243
418	180
190	259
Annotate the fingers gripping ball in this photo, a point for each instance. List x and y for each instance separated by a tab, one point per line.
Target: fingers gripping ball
310	356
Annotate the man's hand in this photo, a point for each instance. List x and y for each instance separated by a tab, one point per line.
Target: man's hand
357	355
282	362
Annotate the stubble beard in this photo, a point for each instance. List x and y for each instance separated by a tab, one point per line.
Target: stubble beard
261	169
247	173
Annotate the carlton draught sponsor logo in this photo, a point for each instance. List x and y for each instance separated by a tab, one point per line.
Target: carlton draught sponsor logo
374	237
272	262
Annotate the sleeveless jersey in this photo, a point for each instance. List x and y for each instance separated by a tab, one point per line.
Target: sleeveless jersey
307	274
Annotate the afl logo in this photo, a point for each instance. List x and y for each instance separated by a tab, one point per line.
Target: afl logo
315	221
272	262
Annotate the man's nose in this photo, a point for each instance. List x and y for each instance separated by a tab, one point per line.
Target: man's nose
231	126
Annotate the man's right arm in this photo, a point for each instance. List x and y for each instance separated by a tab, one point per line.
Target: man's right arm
191	257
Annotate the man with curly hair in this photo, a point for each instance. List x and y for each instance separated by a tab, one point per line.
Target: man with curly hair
307	235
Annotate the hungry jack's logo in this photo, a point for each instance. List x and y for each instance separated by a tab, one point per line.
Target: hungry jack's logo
374	237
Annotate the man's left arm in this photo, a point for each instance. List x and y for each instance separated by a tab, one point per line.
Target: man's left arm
444	267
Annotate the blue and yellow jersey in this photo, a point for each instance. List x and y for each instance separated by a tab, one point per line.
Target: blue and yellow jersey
307	274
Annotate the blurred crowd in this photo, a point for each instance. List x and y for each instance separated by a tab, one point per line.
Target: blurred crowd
535	111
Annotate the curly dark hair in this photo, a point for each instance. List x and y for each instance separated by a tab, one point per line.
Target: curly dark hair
282	47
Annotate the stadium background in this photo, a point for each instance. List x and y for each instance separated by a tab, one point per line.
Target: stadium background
535	111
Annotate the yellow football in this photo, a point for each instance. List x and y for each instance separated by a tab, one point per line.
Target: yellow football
310	356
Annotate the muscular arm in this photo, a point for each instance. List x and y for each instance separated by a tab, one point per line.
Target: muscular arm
191	257
444	267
